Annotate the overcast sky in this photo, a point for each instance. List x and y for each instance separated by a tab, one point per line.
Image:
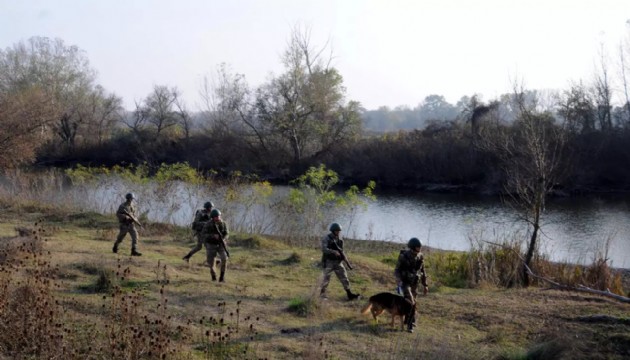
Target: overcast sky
390	52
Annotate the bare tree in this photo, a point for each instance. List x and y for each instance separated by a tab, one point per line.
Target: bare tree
624	52
137	120
603	94
228	105
184	118
158	110
530	154
578	109
25	119
105	110
62	72
305	107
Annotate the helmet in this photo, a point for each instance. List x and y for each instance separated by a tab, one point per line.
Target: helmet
215	212
414	243
208	205
335	227
130	196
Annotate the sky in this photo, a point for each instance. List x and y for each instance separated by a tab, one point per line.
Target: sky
389	52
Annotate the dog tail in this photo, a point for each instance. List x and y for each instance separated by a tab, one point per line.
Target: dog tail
366	308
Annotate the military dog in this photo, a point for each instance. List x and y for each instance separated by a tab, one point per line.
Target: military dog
396	305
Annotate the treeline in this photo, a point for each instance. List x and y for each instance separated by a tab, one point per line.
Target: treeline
53	113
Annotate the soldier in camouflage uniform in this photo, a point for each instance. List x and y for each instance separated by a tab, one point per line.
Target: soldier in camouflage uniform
409	272
215	233
332	262
202	216
125	214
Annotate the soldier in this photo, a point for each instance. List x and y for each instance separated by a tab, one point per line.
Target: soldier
201	217
127	218
215	233
409	272
332	258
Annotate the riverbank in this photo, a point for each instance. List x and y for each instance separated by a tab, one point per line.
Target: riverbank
269	307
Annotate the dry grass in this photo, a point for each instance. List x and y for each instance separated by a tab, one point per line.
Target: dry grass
93	304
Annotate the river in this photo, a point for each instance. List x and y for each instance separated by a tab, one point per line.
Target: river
574	229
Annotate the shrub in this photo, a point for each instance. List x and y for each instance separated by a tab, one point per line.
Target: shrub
303	306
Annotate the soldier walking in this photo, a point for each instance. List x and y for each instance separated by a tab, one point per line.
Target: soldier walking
127	218
215	234
409	272
332	261
202	216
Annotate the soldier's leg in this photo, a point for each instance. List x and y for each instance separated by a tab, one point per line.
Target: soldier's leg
195	249
121	235
326	273
409	294
211	254
134	240
342	275
223	257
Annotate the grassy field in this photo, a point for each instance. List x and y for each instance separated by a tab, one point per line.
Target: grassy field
64	293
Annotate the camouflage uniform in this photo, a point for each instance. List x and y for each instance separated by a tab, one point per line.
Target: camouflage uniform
331	262
409	272
211	233
127	226
202	216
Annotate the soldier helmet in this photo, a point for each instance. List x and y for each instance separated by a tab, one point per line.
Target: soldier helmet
215	213
130	196
335	227
208	205
414	243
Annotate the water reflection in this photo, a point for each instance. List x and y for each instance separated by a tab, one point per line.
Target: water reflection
574	228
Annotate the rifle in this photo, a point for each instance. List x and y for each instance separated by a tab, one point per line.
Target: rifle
221	238
343	256
133	218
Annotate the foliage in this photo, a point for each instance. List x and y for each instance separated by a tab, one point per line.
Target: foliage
313	203
76	109
25	118
303	306
178	172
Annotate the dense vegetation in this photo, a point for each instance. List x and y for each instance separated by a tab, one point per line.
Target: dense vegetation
53	112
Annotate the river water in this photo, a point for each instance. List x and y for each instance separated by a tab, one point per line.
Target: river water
574	229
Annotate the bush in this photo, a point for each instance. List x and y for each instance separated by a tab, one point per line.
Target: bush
302	306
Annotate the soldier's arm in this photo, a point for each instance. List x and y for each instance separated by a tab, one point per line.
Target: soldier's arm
423	274
398	270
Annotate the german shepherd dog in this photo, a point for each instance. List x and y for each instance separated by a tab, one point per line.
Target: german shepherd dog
396	305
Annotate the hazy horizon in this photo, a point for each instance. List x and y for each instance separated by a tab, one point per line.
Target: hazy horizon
392	53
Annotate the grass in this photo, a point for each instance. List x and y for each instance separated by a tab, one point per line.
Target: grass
61	284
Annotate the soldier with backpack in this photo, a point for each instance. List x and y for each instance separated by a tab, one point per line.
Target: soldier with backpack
409	274
202	216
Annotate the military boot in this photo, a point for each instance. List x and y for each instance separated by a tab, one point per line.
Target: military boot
322	294
214	275
352	296
411	322
186	258
222	277
115	249
134	252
